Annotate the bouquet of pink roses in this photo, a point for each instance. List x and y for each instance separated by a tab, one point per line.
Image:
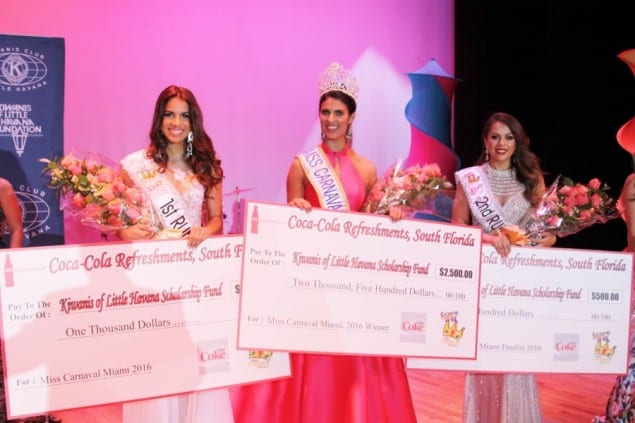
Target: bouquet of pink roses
413	189
97	194
568	207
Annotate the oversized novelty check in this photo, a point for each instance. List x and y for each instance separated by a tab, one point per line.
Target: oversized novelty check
551	310
95	324
338	282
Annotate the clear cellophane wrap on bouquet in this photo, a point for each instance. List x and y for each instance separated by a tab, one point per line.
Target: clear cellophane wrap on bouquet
565	209
414	189
95	192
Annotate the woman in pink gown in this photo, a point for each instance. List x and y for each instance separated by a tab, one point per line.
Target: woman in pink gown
331	388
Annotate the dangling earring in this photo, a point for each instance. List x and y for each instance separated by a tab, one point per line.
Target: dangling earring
188	148
349	134
486	156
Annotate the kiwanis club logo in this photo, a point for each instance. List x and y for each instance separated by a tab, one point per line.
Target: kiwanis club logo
21	69
35	212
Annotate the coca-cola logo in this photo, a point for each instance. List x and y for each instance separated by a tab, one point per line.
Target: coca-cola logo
415	326
566	346
215	355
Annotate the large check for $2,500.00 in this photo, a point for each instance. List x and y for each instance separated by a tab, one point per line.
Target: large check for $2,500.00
95	324
354	283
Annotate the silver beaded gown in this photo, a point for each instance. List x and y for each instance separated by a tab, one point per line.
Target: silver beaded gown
503	398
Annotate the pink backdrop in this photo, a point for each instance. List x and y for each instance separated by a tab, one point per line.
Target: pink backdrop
253	67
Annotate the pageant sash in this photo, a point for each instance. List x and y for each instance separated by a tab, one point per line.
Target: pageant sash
168	204
481	198
324	180
84	325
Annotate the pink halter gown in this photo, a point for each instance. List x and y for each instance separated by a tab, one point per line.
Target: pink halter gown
331	388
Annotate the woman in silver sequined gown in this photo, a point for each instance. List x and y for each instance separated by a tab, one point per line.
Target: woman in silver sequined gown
516	180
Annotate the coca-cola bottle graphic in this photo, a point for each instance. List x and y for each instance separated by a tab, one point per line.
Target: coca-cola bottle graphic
254	220
8	272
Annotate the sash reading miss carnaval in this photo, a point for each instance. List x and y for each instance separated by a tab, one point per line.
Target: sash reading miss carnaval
324	180
167	202
480	198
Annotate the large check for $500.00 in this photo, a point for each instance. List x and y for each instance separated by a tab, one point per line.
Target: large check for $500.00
95	324
551	310
355	283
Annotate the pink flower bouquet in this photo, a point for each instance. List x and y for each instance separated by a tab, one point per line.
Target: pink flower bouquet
97	194
568	207
413	189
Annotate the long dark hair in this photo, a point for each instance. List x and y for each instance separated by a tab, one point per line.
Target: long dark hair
204	161
526	163
341	96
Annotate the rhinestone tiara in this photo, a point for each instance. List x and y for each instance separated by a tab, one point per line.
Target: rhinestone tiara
336	78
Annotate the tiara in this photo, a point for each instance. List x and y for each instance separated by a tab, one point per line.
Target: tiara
336	78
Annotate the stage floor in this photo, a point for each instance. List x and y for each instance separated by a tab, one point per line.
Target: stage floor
438	398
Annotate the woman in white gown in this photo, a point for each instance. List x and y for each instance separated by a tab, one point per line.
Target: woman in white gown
515	183
180	165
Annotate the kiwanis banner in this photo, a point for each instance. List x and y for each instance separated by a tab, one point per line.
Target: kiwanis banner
31	127
123	321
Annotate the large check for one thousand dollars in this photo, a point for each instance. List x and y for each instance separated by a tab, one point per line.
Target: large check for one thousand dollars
95	324
341	282
551	310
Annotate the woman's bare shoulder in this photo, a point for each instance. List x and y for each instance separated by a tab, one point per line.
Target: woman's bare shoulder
628	190
364	164
5	186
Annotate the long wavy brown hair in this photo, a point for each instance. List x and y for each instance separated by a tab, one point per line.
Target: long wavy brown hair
526	163
204	161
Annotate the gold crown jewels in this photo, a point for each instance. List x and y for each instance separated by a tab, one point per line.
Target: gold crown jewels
451	325
336	78
259	358
603	348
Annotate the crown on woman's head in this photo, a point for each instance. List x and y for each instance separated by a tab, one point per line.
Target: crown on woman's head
336	78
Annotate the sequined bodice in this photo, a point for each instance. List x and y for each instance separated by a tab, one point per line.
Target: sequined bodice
509	193
192	193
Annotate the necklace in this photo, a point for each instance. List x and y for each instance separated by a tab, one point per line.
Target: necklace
503	182
180	170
